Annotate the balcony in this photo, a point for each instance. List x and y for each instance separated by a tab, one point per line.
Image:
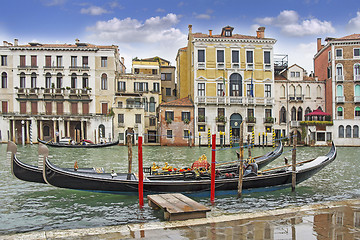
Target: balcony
339	78
220	65
201	65
121	124
235	65
250	119
54	67
295	124
23	67
249	66
267	67
296	97
357	99
340	99
220	119
134	106
226	100
269	120
79	68
201	119
356	78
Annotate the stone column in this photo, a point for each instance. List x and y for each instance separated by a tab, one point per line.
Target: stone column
82	129
54	127
41	130
13	131
68	128
27	131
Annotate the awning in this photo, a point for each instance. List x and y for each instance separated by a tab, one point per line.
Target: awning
318	112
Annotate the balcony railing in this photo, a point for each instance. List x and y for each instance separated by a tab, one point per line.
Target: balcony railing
339	78
356	77
340	99
251	119
53	67
201	65
234	100
269	120
134	106
294	123
357	99
220	119
201	119
83	68
27	67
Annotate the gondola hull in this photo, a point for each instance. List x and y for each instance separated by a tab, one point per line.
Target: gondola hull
128	184
26	172
100	145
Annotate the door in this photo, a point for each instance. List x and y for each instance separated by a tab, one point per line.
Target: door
235	121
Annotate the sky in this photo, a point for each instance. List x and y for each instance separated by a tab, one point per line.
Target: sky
143	28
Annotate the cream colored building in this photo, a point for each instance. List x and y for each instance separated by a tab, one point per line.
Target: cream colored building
230	78
52	91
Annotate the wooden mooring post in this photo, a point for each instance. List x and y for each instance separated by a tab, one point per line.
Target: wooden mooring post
249	147
293	179
129	145
241	159
212	193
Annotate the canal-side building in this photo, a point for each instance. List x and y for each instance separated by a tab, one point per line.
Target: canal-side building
297	95
50	91
338	63
230	78
136	102
177	122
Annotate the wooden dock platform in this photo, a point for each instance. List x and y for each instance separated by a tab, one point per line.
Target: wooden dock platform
177	206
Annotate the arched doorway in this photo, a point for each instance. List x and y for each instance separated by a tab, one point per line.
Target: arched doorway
235	121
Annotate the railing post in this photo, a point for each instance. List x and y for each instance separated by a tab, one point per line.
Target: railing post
141	177
212	195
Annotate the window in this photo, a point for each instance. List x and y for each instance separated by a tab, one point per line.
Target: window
154	71
121	86
356	52
339	72
34	61
3	60
186	133
357	71
293	114
339	53
268	113
201	128
33	80
329	72
48	108
152	104
156	87
220	56
292	74
185	115
104	108
307	91
357	111
34	109
120	104
59	108
59	61
201	55
169	115
4	80
340	111
169	134
85	108
103	61
141	87
267	90
283	115
221	112
282	91
85	61
22	107
22	60
307	110
59	80
152	121
48	61
221	128
318	92
266	57
73	61
348	131
220	89
356	131
235	56
4	106
201	89
329	56
168	91
235	84
250	112
249	91
73	80
227	33
341	131
201	114
320	136
339	90
250	128
137	118
166	76
249	59
104	81
22	80
101	131
299	114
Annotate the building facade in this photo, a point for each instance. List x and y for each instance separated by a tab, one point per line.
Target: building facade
230	78
50	91
338	63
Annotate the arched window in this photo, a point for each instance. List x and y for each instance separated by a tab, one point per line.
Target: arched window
283	115
293	114
318	92
48	80
308	110
73	80
356	131
339	90
101	131
59	80
282	91
22	80
307	91
299	114
146	104
235	84
341	131
4	80
298	91
85	81
357	111
356	71
292	92
103	81
339	72
340	111
357	90
33	80
348	131
152	105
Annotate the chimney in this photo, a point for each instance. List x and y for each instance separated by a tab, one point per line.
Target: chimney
123	60
190	28
77	40
210	33
260	33
16	42
319	46
5	43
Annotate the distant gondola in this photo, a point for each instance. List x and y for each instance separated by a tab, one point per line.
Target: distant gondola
85	145
128	183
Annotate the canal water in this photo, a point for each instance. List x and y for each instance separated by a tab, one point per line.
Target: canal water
26	206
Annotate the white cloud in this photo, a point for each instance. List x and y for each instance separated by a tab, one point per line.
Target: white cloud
290	24
53	2
93	10
115	4
160	10
354	23
206	16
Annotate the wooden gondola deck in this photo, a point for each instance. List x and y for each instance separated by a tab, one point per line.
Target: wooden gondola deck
177	206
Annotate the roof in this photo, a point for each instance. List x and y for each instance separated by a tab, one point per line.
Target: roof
182	102
318	112
234	36
349	37
83	45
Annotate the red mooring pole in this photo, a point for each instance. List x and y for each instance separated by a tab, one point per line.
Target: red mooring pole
212	194
141	177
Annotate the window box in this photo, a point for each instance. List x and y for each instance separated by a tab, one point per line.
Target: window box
251	119
221	118
201	118
269	120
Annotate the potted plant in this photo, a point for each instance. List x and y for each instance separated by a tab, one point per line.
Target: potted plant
220	118
186	121
269	120
251	119
201	118
168	120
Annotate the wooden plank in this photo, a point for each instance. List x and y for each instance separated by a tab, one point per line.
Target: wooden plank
191	202
163	203
179	205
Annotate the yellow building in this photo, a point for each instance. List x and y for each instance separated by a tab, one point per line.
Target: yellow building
230	78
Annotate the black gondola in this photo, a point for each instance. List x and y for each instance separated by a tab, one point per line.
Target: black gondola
85	145
128	183
30	173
